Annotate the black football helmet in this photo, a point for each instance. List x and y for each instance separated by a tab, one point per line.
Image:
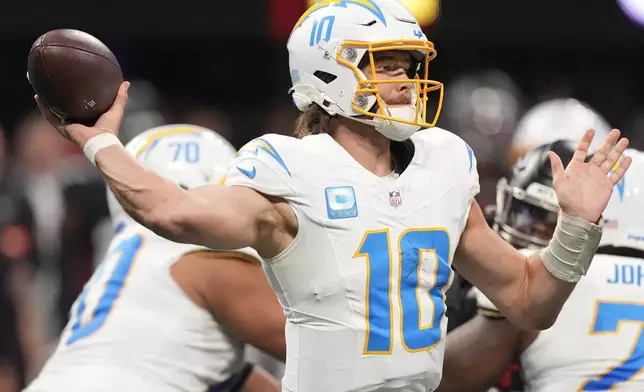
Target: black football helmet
526	203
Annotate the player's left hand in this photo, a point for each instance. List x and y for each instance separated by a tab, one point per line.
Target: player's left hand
584	188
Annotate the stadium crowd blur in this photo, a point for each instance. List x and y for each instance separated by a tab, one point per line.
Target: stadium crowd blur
222	71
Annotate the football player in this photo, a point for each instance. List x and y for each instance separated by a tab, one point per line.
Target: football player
357	220
596	343
545	123
163	316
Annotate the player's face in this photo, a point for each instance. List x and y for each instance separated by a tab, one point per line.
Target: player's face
391	65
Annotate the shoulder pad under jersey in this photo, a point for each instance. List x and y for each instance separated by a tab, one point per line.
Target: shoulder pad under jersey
263	164
454	151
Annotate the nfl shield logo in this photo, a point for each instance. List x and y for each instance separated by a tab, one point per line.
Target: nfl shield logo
394	199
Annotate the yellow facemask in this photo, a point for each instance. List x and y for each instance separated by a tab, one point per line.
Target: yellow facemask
368	86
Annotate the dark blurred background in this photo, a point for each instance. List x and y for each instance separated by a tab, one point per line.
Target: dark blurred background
224	65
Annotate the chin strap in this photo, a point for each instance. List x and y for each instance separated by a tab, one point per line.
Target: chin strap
395	130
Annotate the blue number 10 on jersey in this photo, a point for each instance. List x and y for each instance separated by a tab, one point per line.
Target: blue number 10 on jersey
376	249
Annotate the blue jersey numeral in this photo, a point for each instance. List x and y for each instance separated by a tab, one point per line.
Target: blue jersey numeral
81	327
608	317
376	249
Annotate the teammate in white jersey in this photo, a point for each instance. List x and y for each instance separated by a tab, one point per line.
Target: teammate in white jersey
595	344
163	316
556	119
358	222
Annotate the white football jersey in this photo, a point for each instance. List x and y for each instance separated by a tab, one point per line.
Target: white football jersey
134	329
363	283
596	343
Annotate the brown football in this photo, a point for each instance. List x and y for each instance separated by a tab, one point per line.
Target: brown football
74	75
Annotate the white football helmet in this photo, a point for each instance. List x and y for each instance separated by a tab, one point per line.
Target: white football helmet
189	155
557	119
330	42
624	215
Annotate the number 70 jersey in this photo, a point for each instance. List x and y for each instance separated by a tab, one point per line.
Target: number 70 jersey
363	283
